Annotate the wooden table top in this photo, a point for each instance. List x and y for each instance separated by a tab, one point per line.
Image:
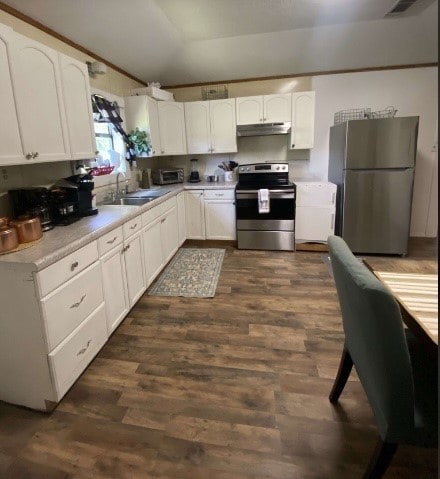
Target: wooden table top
418	295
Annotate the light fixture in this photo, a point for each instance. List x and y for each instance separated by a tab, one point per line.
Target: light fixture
96	68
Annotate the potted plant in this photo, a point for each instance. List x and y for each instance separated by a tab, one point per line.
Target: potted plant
140	142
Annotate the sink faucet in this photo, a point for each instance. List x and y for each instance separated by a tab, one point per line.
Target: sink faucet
118	191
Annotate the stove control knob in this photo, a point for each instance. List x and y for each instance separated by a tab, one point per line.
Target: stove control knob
241	169
248	169
278	167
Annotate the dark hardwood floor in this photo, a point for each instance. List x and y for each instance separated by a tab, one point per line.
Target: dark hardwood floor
233	387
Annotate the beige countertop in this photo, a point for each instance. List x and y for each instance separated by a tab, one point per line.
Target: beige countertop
63	240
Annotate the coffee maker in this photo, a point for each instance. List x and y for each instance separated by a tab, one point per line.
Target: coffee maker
72	198
32	201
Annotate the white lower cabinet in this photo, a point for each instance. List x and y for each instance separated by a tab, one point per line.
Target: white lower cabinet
220	214
195	214
170	234
181	217
153	250
134	267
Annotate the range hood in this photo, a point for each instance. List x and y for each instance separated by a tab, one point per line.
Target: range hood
264	129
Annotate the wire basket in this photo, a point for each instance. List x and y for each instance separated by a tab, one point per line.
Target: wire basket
214	92
389	112
353	114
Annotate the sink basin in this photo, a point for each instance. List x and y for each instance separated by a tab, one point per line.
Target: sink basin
147	194
130	201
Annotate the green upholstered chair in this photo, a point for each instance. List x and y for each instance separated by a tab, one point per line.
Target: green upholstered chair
399	378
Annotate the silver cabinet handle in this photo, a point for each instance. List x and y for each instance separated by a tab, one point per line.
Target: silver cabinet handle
125	248
112	240
29	156
154	151
162	220
219	194
74	265
162	152
76	305
85	348
134	226
333	222
333	198
35	155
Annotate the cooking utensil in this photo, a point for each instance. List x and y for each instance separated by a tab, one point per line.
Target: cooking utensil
8	238
28	228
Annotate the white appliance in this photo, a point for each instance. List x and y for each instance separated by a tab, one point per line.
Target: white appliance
315	211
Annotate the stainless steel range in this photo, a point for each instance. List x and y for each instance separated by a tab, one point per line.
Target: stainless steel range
265	207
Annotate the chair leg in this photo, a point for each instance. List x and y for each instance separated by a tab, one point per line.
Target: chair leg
380	460
344	371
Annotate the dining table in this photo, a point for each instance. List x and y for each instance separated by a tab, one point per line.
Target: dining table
417	296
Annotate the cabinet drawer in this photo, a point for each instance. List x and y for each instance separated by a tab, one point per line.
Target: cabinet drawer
151	215
110	240
132	226
219	194
72	356
68	306
58	273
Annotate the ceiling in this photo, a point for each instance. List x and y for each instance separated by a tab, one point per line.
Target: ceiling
194	41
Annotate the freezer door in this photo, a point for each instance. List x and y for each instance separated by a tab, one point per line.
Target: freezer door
377	208
382	143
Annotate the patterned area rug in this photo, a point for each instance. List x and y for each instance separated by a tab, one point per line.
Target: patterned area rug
193	273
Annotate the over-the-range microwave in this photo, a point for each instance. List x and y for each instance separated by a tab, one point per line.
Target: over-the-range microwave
162	176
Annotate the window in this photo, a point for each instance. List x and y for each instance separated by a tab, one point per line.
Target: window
104	137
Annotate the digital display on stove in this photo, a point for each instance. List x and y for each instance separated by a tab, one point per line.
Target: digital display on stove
263	167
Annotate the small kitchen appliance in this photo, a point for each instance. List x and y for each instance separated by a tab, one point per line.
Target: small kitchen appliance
194	177
265	207
162	176
34	202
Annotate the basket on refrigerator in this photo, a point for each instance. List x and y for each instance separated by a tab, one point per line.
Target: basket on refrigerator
389	112
353	114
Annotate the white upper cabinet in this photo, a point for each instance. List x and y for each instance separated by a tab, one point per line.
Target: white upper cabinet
197	122
37	86
249	110
11	150
223	126
211	126
142	112
172	128
264	109
303	120
277	108
76	93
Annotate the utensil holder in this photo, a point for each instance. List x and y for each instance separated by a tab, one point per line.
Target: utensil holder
229	176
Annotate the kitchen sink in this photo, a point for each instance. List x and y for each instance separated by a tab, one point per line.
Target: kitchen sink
147	194
130	201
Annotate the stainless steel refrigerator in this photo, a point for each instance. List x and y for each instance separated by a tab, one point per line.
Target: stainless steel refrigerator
372	162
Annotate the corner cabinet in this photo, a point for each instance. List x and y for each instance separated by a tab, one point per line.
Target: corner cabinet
79	115
303	120
142	112
172	128
264	109
211	126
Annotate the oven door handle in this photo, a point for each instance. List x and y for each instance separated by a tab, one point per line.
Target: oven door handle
287	194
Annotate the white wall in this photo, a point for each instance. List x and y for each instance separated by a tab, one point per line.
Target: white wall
412	92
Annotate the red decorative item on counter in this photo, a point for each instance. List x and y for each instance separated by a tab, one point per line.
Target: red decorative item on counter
103	170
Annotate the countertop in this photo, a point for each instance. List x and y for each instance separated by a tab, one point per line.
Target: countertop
63	240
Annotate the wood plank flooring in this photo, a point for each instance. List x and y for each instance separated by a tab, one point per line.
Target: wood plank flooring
233	387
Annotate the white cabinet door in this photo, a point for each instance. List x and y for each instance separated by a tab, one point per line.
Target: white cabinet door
76	92
249	110
314	223
11	150
277	108
315	193
169	233
134	267
303	120
220	219
153	116
181	217
195	214
153	256
40	107
115	287
223	126
172	127
198	136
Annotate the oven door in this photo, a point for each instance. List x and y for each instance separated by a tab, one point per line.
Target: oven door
281	216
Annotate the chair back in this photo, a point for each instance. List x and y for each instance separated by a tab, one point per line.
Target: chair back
376	341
